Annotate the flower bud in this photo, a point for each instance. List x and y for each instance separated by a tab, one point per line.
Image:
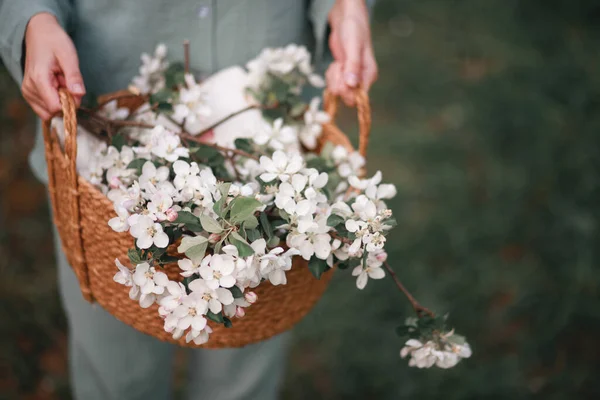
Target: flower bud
382	256
251	297
214	238
114	182
240	312
171	214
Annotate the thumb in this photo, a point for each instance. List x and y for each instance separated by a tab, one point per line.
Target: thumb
352	63
69	64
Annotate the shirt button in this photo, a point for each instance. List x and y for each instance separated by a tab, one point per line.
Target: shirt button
203	12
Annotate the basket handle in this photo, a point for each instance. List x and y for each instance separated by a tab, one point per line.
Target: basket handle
67	216
69	111
363	110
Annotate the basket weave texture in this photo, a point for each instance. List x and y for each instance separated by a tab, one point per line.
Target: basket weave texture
81	213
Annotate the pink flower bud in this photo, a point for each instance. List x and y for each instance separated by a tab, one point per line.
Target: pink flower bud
251	297
240	312
114	182
381	256
171	214
214	238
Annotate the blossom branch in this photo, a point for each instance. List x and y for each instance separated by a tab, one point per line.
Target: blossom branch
419	309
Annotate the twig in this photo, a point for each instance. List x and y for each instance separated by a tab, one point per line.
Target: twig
188	137
226	118
186	55
419	309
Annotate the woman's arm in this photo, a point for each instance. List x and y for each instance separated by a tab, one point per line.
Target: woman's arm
350	43
38	52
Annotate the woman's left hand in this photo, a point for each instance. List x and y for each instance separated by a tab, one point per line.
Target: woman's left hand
350	43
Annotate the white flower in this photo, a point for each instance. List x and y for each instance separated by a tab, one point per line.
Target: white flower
273	264
277	136
160	203
112	111
190	313
314	242
444	353
151	283
188	267
167	145
192	107
313	124
119	223
280	166
347	163
213	299
173	296
217	270
198	337
152	176
185	174
363	274
147	232
151	78
124	276
364	208
290	199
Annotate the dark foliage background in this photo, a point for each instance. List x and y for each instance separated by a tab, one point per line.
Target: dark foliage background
486	118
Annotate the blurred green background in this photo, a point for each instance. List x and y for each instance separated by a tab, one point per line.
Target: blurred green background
486	118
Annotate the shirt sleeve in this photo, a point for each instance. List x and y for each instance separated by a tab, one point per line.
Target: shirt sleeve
14	17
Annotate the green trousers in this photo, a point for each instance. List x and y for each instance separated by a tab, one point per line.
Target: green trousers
112	361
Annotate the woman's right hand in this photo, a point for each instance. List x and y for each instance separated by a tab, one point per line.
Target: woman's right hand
50	63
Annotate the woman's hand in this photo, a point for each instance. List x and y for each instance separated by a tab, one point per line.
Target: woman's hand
50	62
350	43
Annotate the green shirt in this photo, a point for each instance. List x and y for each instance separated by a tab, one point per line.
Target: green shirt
110	35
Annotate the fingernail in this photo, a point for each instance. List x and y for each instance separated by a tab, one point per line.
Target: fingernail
351	79
77	88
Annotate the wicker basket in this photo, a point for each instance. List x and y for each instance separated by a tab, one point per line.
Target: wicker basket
81	213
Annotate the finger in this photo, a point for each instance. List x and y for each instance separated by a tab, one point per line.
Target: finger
369	74
62	82
69	65
38	107
337	81
33	99
45	87
331	79
352	63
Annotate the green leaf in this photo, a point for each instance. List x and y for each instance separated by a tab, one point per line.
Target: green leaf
403	330
242	208
274	242
251	222
252	235
244	249
210	224
298	109
227	322
317	267
175	75
137	164
218	318
244	145
194	247
390	222
162	96
189	220
134	257
334	220
118	141
236	292
266	225
165	259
